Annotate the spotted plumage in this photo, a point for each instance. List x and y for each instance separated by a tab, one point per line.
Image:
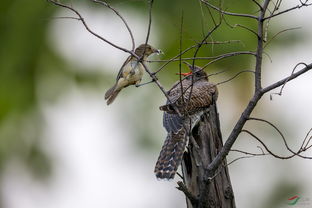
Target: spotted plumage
202	94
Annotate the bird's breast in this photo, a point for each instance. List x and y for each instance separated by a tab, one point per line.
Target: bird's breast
133	71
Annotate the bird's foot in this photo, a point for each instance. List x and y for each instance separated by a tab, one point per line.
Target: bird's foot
132	72
139	85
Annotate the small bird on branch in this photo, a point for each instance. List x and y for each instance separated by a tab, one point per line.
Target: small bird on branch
192	96
131	72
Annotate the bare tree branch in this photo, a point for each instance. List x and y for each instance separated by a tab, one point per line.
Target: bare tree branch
303	4
182	187
304	147
266	148
259	5
121	17
87	27
280	32
260	47
149	23
289	78
236	75
226	55
228	13
283	138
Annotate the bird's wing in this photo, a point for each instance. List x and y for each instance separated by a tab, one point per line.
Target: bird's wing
203	94
121	69
172	122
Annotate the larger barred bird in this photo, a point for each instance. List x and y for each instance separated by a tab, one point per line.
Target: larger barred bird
131	72
192	108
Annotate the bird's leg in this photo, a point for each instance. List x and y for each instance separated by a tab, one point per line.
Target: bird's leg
139	85
132	72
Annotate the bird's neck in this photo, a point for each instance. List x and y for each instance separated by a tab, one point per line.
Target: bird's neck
144	58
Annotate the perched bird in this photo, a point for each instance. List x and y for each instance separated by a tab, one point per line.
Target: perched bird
192	108
131	71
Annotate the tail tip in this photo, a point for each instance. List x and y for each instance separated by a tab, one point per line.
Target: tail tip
164	176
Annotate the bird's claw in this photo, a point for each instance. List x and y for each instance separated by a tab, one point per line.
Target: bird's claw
132	72
139	85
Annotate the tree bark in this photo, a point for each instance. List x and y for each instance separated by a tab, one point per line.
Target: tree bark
206	189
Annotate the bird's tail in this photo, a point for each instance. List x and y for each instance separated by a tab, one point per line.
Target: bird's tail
171	155
111	94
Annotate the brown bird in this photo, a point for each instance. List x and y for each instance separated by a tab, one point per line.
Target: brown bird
192	108
131	71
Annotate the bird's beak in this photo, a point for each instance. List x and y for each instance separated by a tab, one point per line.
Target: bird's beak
184	74
158	51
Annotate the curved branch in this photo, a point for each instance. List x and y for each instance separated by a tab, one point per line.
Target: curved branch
260	7
277	129
87	27
249	155
280	32
289	78
266	148
301	149
220	57
228	13
305	147
149	22
203	58
303	4
121	17
235	76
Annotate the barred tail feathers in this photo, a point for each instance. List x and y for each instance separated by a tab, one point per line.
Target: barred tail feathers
171	155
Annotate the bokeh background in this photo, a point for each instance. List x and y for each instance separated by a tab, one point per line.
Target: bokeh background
61	146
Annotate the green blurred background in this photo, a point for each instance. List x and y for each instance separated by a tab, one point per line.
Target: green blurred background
46	61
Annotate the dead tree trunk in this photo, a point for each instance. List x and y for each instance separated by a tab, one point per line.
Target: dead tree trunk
206	189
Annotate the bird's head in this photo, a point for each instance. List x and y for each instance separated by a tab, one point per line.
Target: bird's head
198	73
146	49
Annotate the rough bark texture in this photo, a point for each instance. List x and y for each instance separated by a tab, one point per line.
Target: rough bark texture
208	189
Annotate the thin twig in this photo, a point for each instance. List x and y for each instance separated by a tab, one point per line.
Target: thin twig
280	32
266	148
228	13
260	7
283	138
303	4
121	17
304	147
287	79
244	71
149	20
87	27
226	55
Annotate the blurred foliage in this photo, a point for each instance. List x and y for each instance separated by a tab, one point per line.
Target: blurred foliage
22	34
